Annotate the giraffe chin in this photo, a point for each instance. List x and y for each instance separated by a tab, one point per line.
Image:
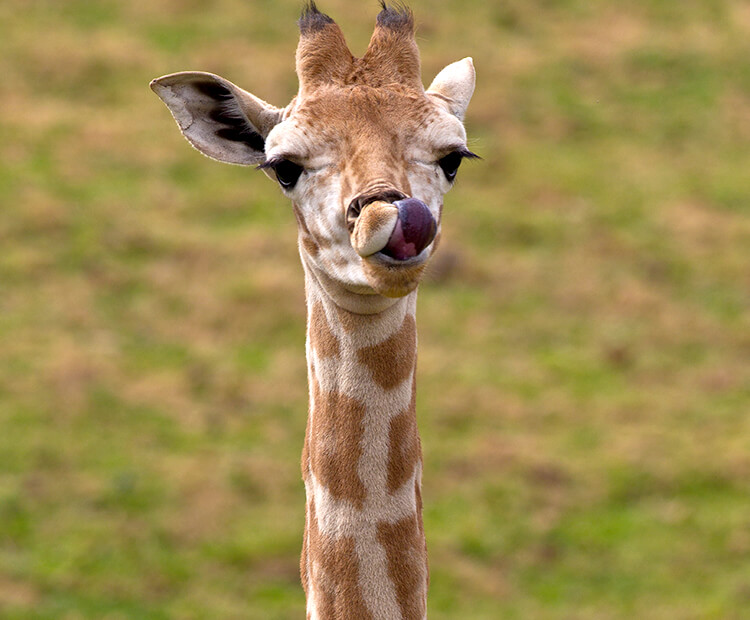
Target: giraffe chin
392	278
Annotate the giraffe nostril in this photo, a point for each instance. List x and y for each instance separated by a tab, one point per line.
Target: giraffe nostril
352	213
357	205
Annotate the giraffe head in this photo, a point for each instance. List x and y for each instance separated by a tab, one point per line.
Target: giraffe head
363	151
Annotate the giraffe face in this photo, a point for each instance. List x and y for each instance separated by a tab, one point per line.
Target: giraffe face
364	153
344	156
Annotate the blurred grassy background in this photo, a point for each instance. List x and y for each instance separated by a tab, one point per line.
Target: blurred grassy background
584	382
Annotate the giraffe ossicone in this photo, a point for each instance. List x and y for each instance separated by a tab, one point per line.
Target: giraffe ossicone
365	154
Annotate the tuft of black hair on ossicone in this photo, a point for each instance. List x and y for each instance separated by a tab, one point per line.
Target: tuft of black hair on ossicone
312	19
397	16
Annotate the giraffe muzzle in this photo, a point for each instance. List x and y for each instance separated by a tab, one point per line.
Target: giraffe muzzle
400	230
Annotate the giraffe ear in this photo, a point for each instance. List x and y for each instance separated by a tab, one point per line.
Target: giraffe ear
218	118
454	86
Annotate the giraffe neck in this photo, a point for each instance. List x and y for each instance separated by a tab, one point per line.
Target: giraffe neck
364	553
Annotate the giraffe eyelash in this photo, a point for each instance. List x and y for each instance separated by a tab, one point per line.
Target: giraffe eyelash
465	153
287	172
450	162
273	162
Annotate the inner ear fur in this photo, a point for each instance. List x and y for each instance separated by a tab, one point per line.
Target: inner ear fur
454	86
218	118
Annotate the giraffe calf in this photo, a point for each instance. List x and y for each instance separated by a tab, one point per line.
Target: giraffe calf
365	154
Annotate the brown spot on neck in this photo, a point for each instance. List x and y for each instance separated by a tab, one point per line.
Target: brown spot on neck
335	573
407	564
392	361
348	320
335	444
405	450
322	339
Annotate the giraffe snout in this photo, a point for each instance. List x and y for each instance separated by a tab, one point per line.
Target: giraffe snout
401	230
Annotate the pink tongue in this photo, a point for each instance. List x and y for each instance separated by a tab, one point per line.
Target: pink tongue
414	231
397	246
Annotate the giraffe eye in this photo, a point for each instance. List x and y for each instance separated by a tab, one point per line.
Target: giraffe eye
287	173
450	164
452	161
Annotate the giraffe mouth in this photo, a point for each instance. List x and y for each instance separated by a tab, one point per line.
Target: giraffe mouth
414	230
393	239
395	232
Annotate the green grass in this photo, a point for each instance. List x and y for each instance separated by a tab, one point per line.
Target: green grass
584	377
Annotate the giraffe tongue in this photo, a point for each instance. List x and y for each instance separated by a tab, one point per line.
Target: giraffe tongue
414	231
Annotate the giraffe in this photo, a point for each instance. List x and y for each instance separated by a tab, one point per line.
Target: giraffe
365	154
